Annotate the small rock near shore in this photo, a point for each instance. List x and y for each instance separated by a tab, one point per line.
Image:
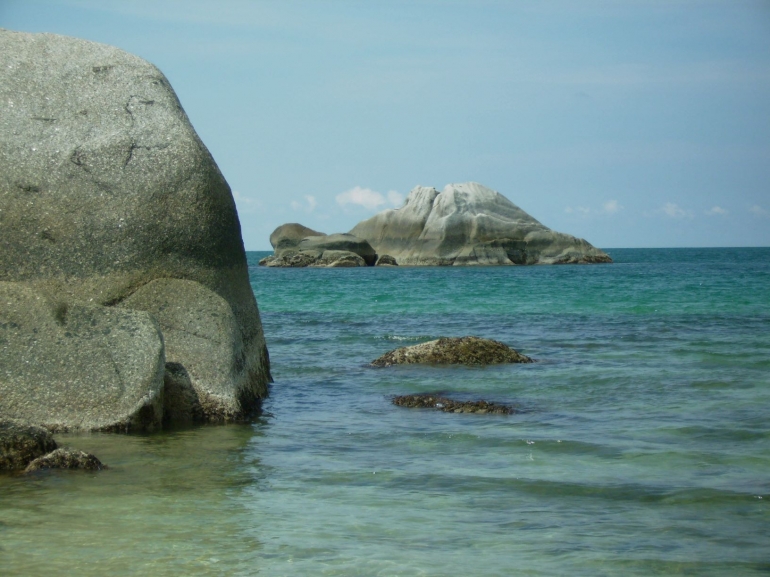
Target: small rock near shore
20	444
439	403
65	458
453	351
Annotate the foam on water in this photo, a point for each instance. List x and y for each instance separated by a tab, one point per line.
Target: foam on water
642	445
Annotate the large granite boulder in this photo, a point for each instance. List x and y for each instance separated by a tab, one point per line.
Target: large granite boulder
286	237
105	188
468	224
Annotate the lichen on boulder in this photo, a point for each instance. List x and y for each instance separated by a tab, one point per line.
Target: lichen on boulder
453	351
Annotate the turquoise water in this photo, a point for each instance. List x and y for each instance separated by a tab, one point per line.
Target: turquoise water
641	445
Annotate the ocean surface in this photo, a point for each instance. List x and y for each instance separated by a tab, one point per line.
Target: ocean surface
641	445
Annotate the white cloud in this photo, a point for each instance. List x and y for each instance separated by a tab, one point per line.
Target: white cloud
368	198
759	211
395	198
716	211
244	203
611	207
673	210
308	206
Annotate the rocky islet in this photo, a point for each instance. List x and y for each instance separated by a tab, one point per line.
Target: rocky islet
465	224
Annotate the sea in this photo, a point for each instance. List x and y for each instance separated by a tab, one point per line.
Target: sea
640	444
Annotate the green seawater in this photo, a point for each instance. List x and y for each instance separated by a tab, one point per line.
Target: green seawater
641	445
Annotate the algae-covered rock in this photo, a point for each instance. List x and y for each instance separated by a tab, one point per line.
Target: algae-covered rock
447	405
453	351
20	444
66	458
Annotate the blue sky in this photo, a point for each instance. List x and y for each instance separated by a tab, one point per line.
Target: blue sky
629	123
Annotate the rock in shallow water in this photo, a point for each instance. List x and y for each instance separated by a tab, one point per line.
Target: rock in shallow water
439	403
453	351
66	458
20	444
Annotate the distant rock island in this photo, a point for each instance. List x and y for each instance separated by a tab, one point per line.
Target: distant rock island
464	224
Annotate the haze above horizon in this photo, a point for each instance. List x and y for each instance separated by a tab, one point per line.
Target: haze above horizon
630	124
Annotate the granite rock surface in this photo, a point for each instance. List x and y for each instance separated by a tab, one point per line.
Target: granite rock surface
105	188
286	237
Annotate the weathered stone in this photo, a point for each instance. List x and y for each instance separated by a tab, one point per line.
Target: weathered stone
339	258
386	260
20	444
78	366
291	259
106	187
66	458
181	403
287	236
440	403
453	351
469	224
339	242
201	334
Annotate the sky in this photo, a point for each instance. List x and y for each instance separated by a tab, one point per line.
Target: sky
628	123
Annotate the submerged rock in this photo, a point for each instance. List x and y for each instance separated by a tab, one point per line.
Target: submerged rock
66	458
467	224
107	197
21	444
439	403
453	351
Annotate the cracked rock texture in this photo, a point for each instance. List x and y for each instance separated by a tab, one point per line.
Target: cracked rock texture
105	189
469	224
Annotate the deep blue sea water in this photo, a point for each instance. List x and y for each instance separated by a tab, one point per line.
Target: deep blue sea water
641	445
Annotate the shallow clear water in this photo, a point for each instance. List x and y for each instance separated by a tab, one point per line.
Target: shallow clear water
642	445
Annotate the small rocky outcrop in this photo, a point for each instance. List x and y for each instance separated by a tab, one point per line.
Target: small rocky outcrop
121	235
386	260
287	236
316	249
439	403
20	444
66	458
469	224
453	351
